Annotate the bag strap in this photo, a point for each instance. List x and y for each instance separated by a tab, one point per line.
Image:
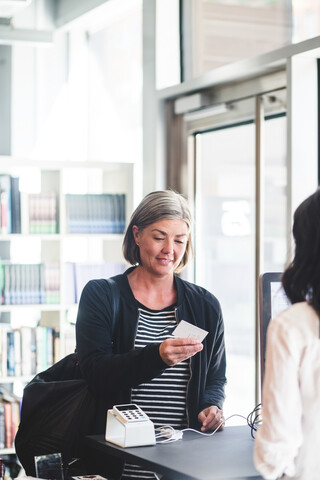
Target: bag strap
115	294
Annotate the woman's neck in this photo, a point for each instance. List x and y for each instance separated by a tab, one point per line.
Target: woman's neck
152	291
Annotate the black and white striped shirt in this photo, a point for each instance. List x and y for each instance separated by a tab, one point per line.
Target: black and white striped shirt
163	399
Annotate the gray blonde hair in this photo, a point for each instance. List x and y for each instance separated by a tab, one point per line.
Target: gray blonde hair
156	206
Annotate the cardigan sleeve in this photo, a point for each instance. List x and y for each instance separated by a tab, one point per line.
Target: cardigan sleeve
280	436
105	370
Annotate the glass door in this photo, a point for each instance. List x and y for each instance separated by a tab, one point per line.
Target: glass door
227	236
225	244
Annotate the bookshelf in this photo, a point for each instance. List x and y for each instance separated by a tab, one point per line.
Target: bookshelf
61	224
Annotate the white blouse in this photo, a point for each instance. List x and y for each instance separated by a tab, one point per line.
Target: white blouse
288	442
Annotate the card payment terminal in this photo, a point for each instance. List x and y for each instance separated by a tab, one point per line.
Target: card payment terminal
128	426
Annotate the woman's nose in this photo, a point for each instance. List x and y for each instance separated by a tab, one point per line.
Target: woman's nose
168	246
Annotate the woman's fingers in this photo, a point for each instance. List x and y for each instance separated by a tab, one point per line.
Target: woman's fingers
175	350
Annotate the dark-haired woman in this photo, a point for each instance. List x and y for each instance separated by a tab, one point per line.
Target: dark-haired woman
176	381
288	443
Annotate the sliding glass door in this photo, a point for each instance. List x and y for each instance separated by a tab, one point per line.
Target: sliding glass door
225	163
225	242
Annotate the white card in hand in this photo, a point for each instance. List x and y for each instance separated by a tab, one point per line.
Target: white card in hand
186	330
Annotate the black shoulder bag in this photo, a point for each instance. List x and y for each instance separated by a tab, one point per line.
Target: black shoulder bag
57	409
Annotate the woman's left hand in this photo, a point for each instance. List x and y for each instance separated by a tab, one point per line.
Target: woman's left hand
211	418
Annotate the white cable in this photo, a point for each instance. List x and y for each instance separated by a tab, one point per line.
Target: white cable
177	434
214	431
169	432
164	431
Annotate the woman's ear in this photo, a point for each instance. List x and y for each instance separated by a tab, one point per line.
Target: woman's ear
135	233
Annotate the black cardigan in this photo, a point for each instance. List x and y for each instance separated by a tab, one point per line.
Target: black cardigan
112	366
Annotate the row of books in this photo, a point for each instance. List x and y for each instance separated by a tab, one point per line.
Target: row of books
96	213
25	284
85	213
10	213
43	213
26	350
39	283
78	274
9	418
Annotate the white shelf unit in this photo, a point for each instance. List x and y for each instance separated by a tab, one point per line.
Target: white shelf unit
61	248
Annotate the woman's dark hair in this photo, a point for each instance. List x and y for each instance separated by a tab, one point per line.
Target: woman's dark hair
156	206
301	279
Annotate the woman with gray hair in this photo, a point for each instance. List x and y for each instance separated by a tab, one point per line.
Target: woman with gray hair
176	381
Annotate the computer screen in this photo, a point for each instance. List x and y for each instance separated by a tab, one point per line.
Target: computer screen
272	301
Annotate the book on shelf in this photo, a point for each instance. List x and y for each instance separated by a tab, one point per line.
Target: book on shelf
10	353
15	206
17	352
10	207
2	285
9	417
8	423
2	426
5	203
3	349
95	213
51	274
119	206
43	213
56	346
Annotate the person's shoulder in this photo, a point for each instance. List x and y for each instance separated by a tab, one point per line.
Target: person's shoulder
298	319
96	283
95	287
295	314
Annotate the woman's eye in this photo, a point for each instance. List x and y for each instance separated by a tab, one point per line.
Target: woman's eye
157	238
180	241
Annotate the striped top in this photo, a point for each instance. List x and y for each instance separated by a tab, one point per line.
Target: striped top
163	399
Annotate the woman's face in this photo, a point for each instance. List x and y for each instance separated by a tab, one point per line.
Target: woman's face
162	245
